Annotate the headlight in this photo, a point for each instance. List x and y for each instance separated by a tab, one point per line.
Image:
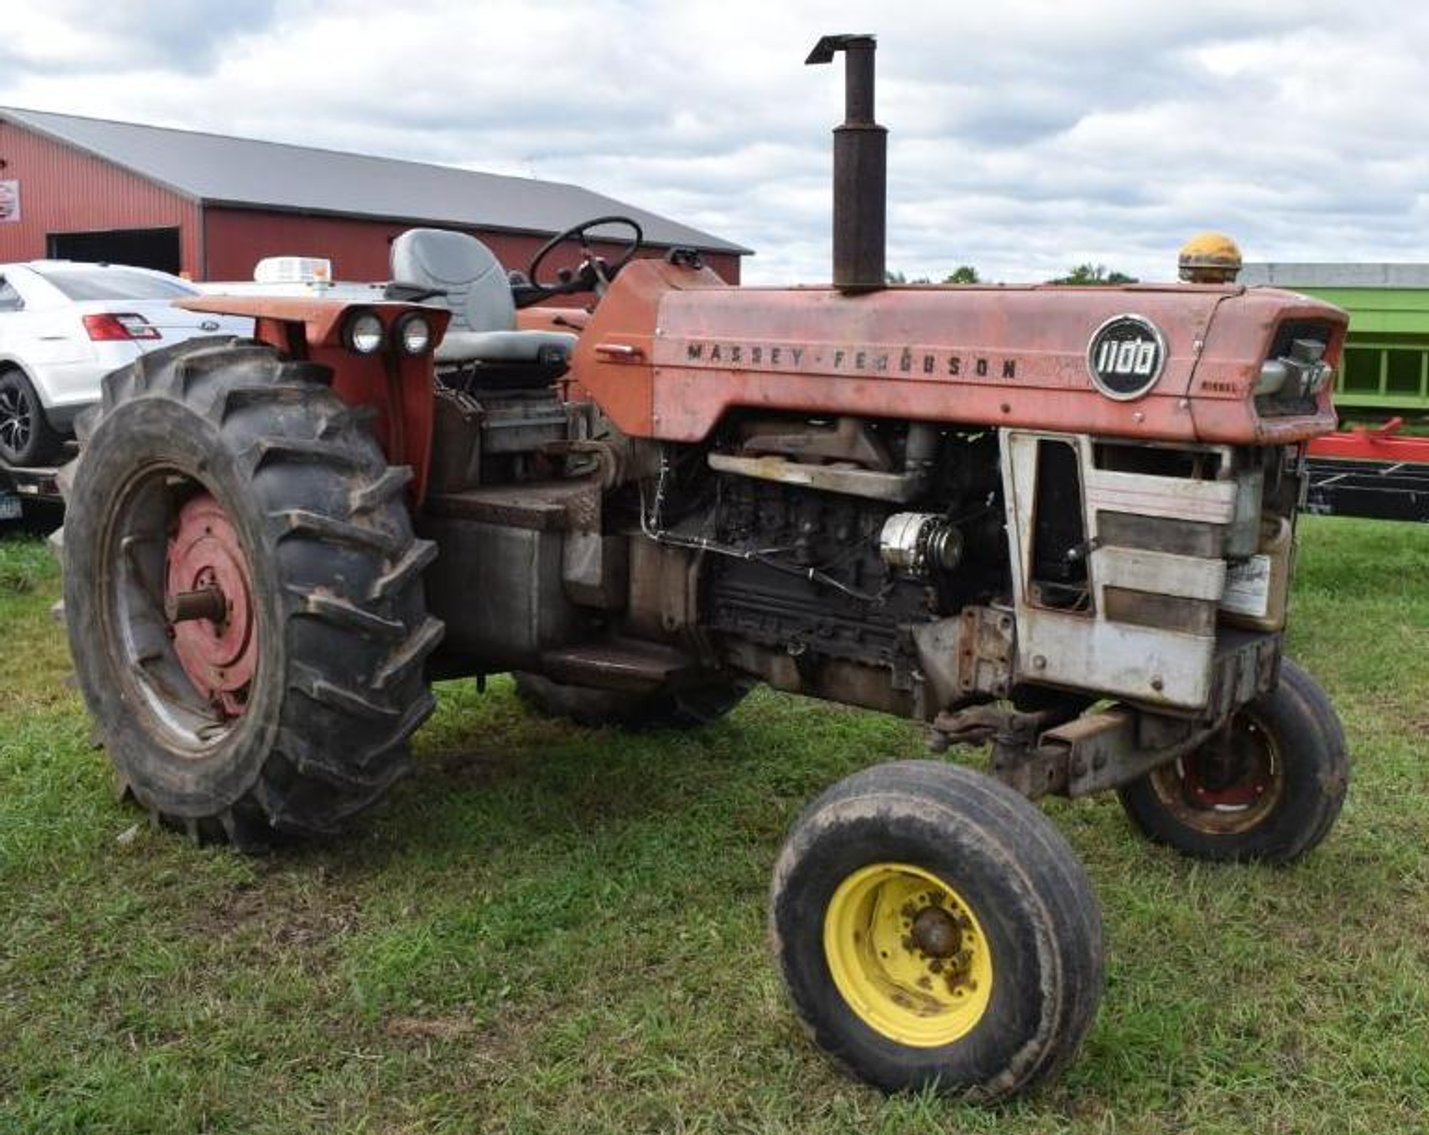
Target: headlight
1309	378
363	332
1273	373
413	333
1317	377
1314	371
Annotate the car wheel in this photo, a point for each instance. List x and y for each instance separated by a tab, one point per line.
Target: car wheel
26	436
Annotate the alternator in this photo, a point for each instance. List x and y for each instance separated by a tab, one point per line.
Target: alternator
918	543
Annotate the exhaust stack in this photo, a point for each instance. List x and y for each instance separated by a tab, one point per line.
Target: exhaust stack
860	168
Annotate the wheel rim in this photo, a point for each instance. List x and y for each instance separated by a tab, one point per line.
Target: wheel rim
908	955
207	579
179	618
1228	785
17	418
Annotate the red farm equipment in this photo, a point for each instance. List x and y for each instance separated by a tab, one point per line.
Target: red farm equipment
1372	471
1056	520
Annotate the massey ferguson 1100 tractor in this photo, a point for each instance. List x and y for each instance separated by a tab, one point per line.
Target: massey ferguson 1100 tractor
1057	521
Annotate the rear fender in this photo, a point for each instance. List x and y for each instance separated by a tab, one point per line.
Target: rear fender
397	386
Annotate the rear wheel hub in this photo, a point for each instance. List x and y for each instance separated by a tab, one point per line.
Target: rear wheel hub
208	602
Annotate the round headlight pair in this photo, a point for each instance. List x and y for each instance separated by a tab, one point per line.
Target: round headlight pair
365	334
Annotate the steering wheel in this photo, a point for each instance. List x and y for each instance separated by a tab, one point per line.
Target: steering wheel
594	273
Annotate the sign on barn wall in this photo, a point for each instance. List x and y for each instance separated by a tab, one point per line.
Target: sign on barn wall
9	201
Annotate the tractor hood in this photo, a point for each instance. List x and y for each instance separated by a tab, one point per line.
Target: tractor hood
671	349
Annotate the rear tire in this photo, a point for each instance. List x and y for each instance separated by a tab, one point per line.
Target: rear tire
26	436
1273	801
935	930
219	465
660	709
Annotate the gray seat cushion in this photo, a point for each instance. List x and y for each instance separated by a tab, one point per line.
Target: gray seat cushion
502	346
476	290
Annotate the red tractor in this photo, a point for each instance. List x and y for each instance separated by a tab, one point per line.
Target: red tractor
1056	520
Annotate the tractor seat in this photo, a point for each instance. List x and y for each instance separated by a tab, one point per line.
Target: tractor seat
475	289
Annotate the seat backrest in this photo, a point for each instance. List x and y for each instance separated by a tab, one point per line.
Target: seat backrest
475	285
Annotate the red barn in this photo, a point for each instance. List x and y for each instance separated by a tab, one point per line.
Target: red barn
213	206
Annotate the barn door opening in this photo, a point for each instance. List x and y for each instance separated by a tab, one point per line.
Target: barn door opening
142	248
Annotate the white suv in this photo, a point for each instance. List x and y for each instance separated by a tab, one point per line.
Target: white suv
64	326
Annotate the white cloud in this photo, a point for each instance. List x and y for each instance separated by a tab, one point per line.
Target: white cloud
1027	136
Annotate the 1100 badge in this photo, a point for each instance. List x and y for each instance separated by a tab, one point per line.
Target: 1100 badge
1126	356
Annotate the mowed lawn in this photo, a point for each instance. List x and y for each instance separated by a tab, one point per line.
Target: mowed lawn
556	929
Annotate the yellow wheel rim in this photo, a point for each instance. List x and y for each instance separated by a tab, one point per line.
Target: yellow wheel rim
908	955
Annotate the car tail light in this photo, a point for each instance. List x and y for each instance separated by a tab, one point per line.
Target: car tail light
108	327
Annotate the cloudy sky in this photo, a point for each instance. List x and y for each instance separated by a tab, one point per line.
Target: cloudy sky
1027	136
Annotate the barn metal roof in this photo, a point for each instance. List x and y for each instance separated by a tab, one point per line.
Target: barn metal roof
220	170
1331	275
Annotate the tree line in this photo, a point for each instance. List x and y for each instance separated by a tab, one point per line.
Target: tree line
1094	275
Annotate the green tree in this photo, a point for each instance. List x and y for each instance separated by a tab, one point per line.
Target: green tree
1095	275
962	274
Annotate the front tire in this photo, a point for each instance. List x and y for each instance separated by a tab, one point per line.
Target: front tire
1268	790
243	594
935	930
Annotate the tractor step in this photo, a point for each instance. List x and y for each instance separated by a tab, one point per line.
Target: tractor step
636	667
542	506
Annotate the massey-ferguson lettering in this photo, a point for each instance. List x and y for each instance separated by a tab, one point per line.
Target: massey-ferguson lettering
1058	522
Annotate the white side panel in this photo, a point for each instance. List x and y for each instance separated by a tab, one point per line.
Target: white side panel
1144	663
1211	502
1188	577
1084	650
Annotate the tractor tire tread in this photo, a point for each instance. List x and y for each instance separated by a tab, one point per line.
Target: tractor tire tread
271	451
343	419
310	682
415	560
410	654
349	615
235	399
305	522
390	486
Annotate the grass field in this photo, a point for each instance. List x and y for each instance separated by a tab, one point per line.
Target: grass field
550	929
